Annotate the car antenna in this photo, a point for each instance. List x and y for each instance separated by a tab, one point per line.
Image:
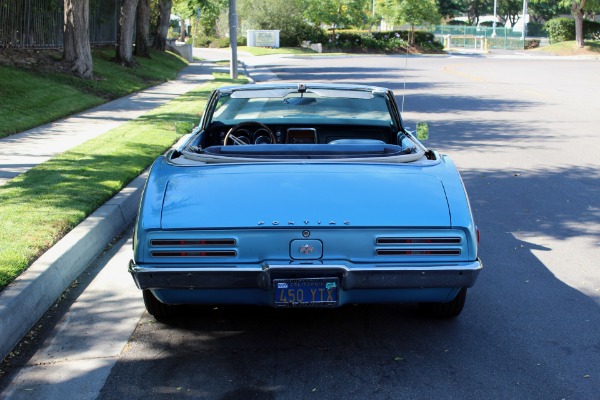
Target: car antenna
405	70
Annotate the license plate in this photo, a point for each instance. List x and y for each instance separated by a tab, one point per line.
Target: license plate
309	292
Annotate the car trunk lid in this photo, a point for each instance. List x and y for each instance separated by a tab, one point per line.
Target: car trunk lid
304	195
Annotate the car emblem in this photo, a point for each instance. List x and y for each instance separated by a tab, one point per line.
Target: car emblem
306	249
306	222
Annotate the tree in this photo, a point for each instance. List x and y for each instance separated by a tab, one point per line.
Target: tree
209	15
477	8
510	10
160	36
578	9
124	51
418	12
336	13
413	12
142	30
184	9
451	8
189	9
285	16
77	51
269	14
541	11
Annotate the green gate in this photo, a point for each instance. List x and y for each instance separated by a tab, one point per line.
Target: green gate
480	38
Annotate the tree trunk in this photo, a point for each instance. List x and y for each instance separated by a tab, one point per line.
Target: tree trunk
579	30
182	30
577	11
76	40
142	30
160	38
124	53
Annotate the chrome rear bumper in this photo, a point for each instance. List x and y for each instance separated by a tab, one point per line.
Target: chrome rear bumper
261	277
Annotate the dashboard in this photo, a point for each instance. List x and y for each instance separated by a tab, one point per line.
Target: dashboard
258	133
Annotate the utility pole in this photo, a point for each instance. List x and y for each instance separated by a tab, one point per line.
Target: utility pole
495	19
233	67
524	33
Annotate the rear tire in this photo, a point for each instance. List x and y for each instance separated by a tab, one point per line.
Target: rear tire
156	308
450	309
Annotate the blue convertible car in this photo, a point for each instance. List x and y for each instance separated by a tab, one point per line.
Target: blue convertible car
304	195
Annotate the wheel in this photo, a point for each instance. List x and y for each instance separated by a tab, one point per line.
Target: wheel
156	308
260	133
450	309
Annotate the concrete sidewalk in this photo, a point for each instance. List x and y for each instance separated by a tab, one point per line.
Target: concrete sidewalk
25	150
26	299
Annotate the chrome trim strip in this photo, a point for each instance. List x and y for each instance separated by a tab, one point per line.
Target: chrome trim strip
186	253
438	240
417	252
192	242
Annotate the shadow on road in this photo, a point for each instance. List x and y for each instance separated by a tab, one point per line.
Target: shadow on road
524	333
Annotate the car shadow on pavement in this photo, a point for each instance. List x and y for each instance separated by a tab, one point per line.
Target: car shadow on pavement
526	331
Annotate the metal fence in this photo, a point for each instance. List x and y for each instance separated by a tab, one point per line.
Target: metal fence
39	23
104	21
474	37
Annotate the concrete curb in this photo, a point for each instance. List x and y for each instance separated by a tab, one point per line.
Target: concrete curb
24	301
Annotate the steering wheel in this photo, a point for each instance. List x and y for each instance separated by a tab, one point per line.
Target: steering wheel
234	139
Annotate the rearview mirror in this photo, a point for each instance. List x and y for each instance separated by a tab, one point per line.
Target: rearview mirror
422	130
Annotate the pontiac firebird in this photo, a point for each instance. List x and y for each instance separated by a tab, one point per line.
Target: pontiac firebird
304	195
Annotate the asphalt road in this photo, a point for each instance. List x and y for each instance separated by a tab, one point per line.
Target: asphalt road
525	134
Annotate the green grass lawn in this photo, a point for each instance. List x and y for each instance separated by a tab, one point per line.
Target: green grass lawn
40	206
25	97
262	51
27	94
569	48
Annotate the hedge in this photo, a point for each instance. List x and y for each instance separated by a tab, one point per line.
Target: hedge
379	42
563	29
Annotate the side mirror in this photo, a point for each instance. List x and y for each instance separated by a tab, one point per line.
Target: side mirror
422	130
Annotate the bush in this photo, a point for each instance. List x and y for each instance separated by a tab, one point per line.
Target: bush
532	44
560	29
563	29
297	31
200	40
426	41
221	43
294	34
364	42
591	30
242	41
172	34
380	42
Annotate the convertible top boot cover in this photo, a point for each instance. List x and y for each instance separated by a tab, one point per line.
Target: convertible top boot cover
311	195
